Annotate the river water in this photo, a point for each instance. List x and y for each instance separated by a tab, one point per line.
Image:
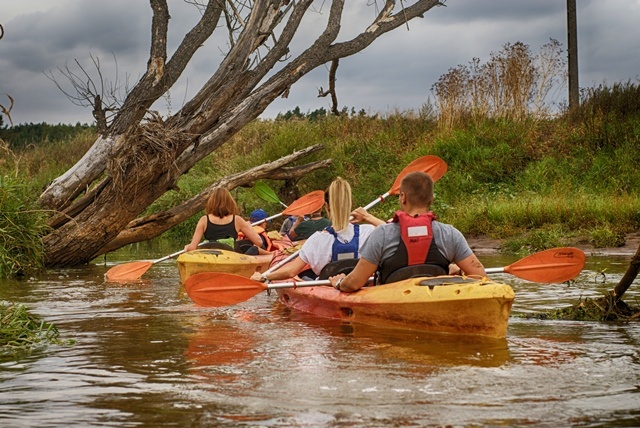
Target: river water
145	356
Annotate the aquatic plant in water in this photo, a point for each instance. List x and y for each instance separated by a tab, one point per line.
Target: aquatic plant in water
19	330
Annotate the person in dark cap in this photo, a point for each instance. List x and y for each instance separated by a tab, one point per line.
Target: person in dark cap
258	220
257	215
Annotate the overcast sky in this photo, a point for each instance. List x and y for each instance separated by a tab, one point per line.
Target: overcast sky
396	73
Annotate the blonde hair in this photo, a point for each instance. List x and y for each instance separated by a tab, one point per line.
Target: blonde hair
339	203
221	203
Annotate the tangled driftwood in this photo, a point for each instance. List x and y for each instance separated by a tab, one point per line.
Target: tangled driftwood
150	145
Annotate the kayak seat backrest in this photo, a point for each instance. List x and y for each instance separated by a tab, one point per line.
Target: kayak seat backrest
415	271
340	266
242	245
215	246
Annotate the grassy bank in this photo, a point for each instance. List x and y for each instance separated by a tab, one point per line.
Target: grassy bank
536	183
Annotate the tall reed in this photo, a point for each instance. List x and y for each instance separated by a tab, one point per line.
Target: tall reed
513	84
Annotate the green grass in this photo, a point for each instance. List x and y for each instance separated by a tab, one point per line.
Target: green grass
22	225
539	222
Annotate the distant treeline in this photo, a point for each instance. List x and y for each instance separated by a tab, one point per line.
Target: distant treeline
21	136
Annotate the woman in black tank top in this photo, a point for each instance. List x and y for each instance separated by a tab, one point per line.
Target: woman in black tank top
215	231
222	221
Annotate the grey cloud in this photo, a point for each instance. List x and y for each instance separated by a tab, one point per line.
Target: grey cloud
397	71
496	11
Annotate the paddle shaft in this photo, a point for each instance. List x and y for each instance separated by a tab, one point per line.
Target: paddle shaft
170	256
267	219
376	201
282	263
177	253
296	284
531	267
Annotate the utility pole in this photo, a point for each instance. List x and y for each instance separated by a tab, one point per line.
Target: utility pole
572	41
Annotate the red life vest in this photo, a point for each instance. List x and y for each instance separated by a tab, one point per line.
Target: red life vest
417	235
416	245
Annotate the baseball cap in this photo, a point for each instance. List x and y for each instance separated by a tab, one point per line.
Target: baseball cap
257	215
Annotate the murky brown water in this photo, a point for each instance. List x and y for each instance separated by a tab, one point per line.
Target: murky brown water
146	356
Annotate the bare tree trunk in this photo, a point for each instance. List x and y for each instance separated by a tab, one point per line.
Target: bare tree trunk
140	156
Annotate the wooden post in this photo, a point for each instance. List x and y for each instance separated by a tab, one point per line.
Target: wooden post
572	41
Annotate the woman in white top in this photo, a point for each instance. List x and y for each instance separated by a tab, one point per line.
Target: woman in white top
321	247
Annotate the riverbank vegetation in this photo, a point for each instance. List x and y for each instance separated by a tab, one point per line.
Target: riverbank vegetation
533	183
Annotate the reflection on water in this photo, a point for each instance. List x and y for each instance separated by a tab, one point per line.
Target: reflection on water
407	346
146	356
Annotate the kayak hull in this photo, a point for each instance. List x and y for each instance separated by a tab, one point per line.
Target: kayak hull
445	304
214	260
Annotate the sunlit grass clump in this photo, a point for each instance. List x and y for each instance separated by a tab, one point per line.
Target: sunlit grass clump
537	222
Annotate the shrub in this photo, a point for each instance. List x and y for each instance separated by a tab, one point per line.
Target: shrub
21	227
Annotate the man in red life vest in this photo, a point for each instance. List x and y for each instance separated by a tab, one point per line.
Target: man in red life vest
414	238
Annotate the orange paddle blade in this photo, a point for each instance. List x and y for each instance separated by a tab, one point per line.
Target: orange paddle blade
211	289
128	271
432	165
549	266
307	204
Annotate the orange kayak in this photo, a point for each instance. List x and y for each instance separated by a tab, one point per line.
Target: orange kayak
446	304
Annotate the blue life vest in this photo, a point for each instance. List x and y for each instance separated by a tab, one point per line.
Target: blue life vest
345	250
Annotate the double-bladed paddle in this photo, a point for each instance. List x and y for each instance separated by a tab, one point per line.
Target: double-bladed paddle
306	204
267	194
211	289
432	165
550	266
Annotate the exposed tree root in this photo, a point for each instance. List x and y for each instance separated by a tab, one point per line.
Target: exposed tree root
603	309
